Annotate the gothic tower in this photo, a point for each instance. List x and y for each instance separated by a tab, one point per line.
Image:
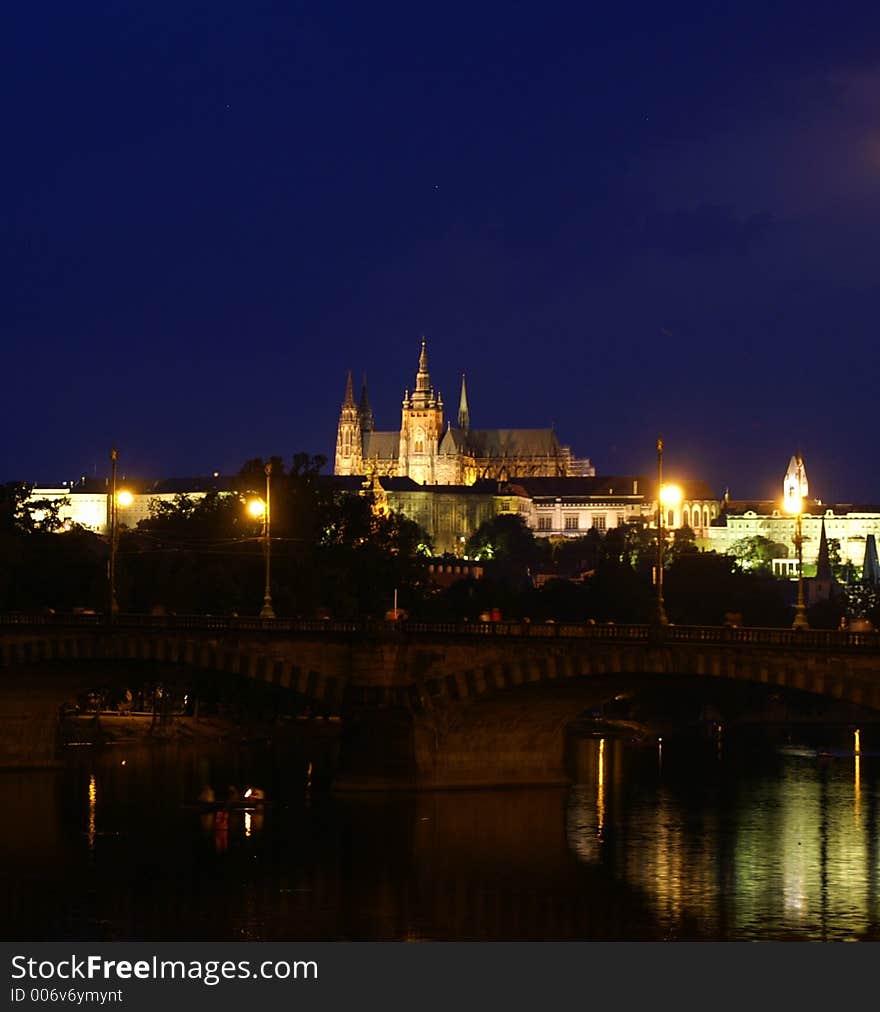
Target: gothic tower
421	426
365	411
349	443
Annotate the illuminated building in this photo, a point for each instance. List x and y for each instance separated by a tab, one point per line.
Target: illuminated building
434	452
85	503
847	524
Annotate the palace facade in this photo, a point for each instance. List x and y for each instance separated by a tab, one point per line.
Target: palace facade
430	450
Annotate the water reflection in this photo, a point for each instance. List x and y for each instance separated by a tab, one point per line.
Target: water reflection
93	801
761	852
600	790
701	847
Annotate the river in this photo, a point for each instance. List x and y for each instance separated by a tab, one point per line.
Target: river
686	840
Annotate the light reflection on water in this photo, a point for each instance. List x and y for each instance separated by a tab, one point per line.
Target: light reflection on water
787	850
702	846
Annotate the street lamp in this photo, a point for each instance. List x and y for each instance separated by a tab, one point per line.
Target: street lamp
794	490
262	508
115	499
668	496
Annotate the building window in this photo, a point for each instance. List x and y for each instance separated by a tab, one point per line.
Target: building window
545	523
571	522
599	522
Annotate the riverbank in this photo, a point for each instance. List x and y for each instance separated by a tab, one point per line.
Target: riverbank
112	728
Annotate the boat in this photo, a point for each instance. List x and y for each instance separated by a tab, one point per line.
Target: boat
252	798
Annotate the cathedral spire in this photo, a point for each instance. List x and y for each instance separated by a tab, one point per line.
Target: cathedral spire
463	414
364	410
423	380
349	392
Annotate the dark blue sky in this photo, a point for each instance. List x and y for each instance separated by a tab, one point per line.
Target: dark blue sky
619	219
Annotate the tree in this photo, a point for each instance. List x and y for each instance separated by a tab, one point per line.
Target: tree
700	589
683	543
20	514
758	552
508	545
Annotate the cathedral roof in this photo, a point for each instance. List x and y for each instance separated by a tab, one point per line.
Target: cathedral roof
512	442
384	445
453	441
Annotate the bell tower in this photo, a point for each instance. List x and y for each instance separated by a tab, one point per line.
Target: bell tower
421	426
349	442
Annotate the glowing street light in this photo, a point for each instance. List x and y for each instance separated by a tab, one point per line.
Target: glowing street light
794	491
668	497
262	508
115	499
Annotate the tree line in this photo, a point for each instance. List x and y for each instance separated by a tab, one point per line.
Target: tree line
344	554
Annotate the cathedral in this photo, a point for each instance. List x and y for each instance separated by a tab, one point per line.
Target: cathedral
432	451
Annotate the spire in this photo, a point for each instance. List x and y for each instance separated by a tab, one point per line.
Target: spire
463	415
365	411
823	560
349	392
794	486
871	568
423	380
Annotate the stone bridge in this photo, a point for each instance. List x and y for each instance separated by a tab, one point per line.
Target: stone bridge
422	704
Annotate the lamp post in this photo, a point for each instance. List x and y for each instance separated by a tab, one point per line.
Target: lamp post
794	490
667	496
262	508
112	508
116	498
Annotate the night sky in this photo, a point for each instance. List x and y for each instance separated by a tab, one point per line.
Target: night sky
618	219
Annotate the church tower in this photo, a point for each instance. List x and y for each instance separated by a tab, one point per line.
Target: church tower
349	442
421	427
795	487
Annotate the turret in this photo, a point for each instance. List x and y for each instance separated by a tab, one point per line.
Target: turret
794	486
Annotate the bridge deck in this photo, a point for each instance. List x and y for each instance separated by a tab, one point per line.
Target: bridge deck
811	639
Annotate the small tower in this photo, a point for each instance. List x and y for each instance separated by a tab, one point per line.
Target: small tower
464	418
794	487
349	443
421	426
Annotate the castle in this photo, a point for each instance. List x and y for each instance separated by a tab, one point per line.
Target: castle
432	452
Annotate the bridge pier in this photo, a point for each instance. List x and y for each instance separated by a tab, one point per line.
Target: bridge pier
500	742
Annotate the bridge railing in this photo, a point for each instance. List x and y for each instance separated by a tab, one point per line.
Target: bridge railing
823	639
